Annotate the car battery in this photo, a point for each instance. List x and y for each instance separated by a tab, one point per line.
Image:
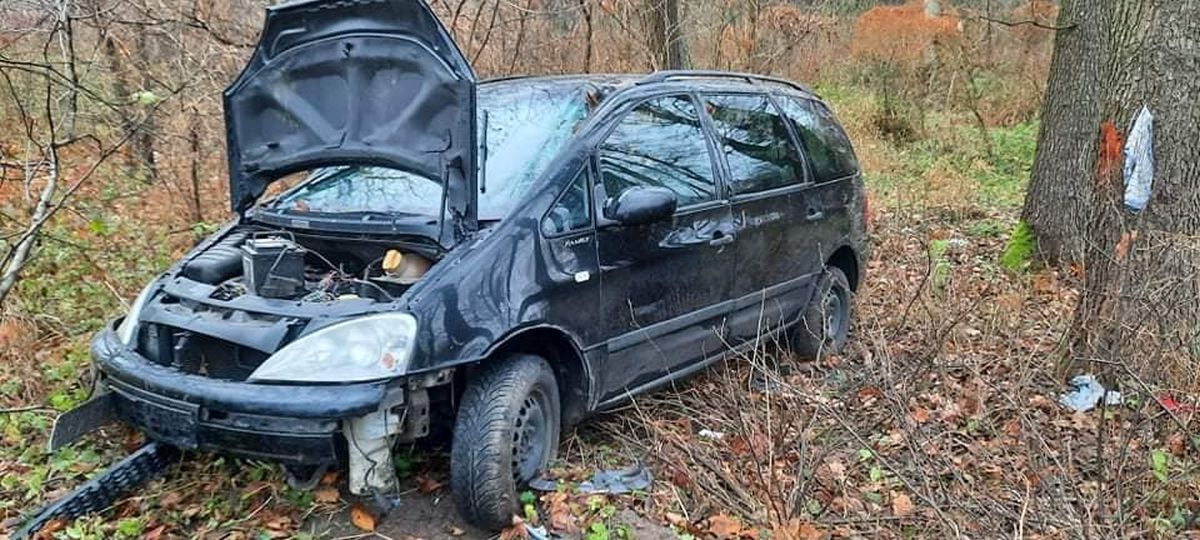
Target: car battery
273	267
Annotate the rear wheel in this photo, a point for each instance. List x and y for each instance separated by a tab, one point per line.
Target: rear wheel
825	325
506	432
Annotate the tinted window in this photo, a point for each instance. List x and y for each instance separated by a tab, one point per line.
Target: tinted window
756	143
572	210
659	144
827	146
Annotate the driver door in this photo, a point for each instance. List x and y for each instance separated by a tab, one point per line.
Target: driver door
664	286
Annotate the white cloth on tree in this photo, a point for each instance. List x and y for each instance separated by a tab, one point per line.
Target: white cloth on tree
1139	162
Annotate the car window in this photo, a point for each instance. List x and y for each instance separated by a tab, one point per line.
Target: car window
825	142
660	144
754	137
572	211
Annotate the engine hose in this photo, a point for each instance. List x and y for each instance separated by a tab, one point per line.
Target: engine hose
147	463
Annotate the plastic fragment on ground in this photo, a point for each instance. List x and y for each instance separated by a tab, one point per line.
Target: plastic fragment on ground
1139	162
712	435
1086	392
611	482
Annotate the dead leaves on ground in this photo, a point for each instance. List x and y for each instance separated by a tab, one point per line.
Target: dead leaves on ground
362	518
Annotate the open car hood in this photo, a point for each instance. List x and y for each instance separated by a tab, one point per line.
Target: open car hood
355	82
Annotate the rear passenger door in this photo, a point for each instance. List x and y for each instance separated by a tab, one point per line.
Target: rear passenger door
664	286
767	176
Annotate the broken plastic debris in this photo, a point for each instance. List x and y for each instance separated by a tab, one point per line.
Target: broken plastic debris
1139	162
1169	403
613	482
1086	392
536	533
712	435
766	383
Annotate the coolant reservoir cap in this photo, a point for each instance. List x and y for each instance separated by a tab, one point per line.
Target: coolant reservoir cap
392	261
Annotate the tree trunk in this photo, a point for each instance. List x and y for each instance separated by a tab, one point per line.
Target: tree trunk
1061	184
1140	307
668	43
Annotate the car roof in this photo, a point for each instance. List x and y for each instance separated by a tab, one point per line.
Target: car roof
685	80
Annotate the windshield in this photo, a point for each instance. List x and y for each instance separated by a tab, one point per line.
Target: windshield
528	123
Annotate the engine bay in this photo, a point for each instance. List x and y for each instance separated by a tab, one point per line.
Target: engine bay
280	264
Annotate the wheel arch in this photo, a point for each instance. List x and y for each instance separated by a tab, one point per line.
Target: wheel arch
846	260
558	347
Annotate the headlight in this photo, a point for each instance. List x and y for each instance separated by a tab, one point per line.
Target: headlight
127	330
365	349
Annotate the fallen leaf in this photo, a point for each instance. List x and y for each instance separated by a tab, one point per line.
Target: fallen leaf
920	415
330	478
327	494
155	533
723	526
678	521
47	531
901	504
427	485
455	531
361	518
680	478
796	530
171	500
1127	240
868	394
278	522
516	531
1176	444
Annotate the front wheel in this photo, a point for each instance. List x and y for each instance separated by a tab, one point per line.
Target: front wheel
825	325
506	432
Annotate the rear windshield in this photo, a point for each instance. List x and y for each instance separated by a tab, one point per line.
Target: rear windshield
527	125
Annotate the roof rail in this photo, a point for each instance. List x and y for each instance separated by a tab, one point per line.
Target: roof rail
663	76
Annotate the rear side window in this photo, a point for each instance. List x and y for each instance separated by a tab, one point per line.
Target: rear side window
754	137
828	148
659	144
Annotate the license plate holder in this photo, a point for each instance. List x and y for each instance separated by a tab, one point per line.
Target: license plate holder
173	422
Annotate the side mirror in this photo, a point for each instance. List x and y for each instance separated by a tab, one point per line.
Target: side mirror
641	206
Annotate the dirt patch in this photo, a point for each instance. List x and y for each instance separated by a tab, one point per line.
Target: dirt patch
426	516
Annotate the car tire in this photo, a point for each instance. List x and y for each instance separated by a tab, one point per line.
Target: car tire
825	325
506	432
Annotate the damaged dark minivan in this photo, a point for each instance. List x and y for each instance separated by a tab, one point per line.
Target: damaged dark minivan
492	260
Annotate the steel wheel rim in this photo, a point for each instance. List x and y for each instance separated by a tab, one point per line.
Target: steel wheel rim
530	437
835	317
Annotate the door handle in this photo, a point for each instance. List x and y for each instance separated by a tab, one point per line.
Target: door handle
723	240
815	215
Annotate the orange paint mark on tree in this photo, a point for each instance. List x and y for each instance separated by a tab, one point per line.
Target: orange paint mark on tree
1111	153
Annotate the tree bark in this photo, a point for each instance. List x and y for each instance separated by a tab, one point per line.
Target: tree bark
1060	187
1140	306
668	43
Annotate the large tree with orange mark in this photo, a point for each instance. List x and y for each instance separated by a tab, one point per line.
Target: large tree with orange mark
1140	302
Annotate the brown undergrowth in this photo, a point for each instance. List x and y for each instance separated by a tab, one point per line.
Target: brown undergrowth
940	420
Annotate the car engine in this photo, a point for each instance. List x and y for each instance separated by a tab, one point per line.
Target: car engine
282	265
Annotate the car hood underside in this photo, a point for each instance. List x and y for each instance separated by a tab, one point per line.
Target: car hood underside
356	82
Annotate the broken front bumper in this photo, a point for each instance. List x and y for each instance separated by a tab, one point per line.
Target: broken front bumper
291	424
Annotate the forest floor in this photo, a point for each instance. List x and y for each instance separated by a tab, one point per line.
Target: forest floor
940	420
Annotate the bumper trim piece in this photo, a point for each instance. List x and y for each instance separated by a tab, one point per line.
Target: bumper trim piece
92	414
100	492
